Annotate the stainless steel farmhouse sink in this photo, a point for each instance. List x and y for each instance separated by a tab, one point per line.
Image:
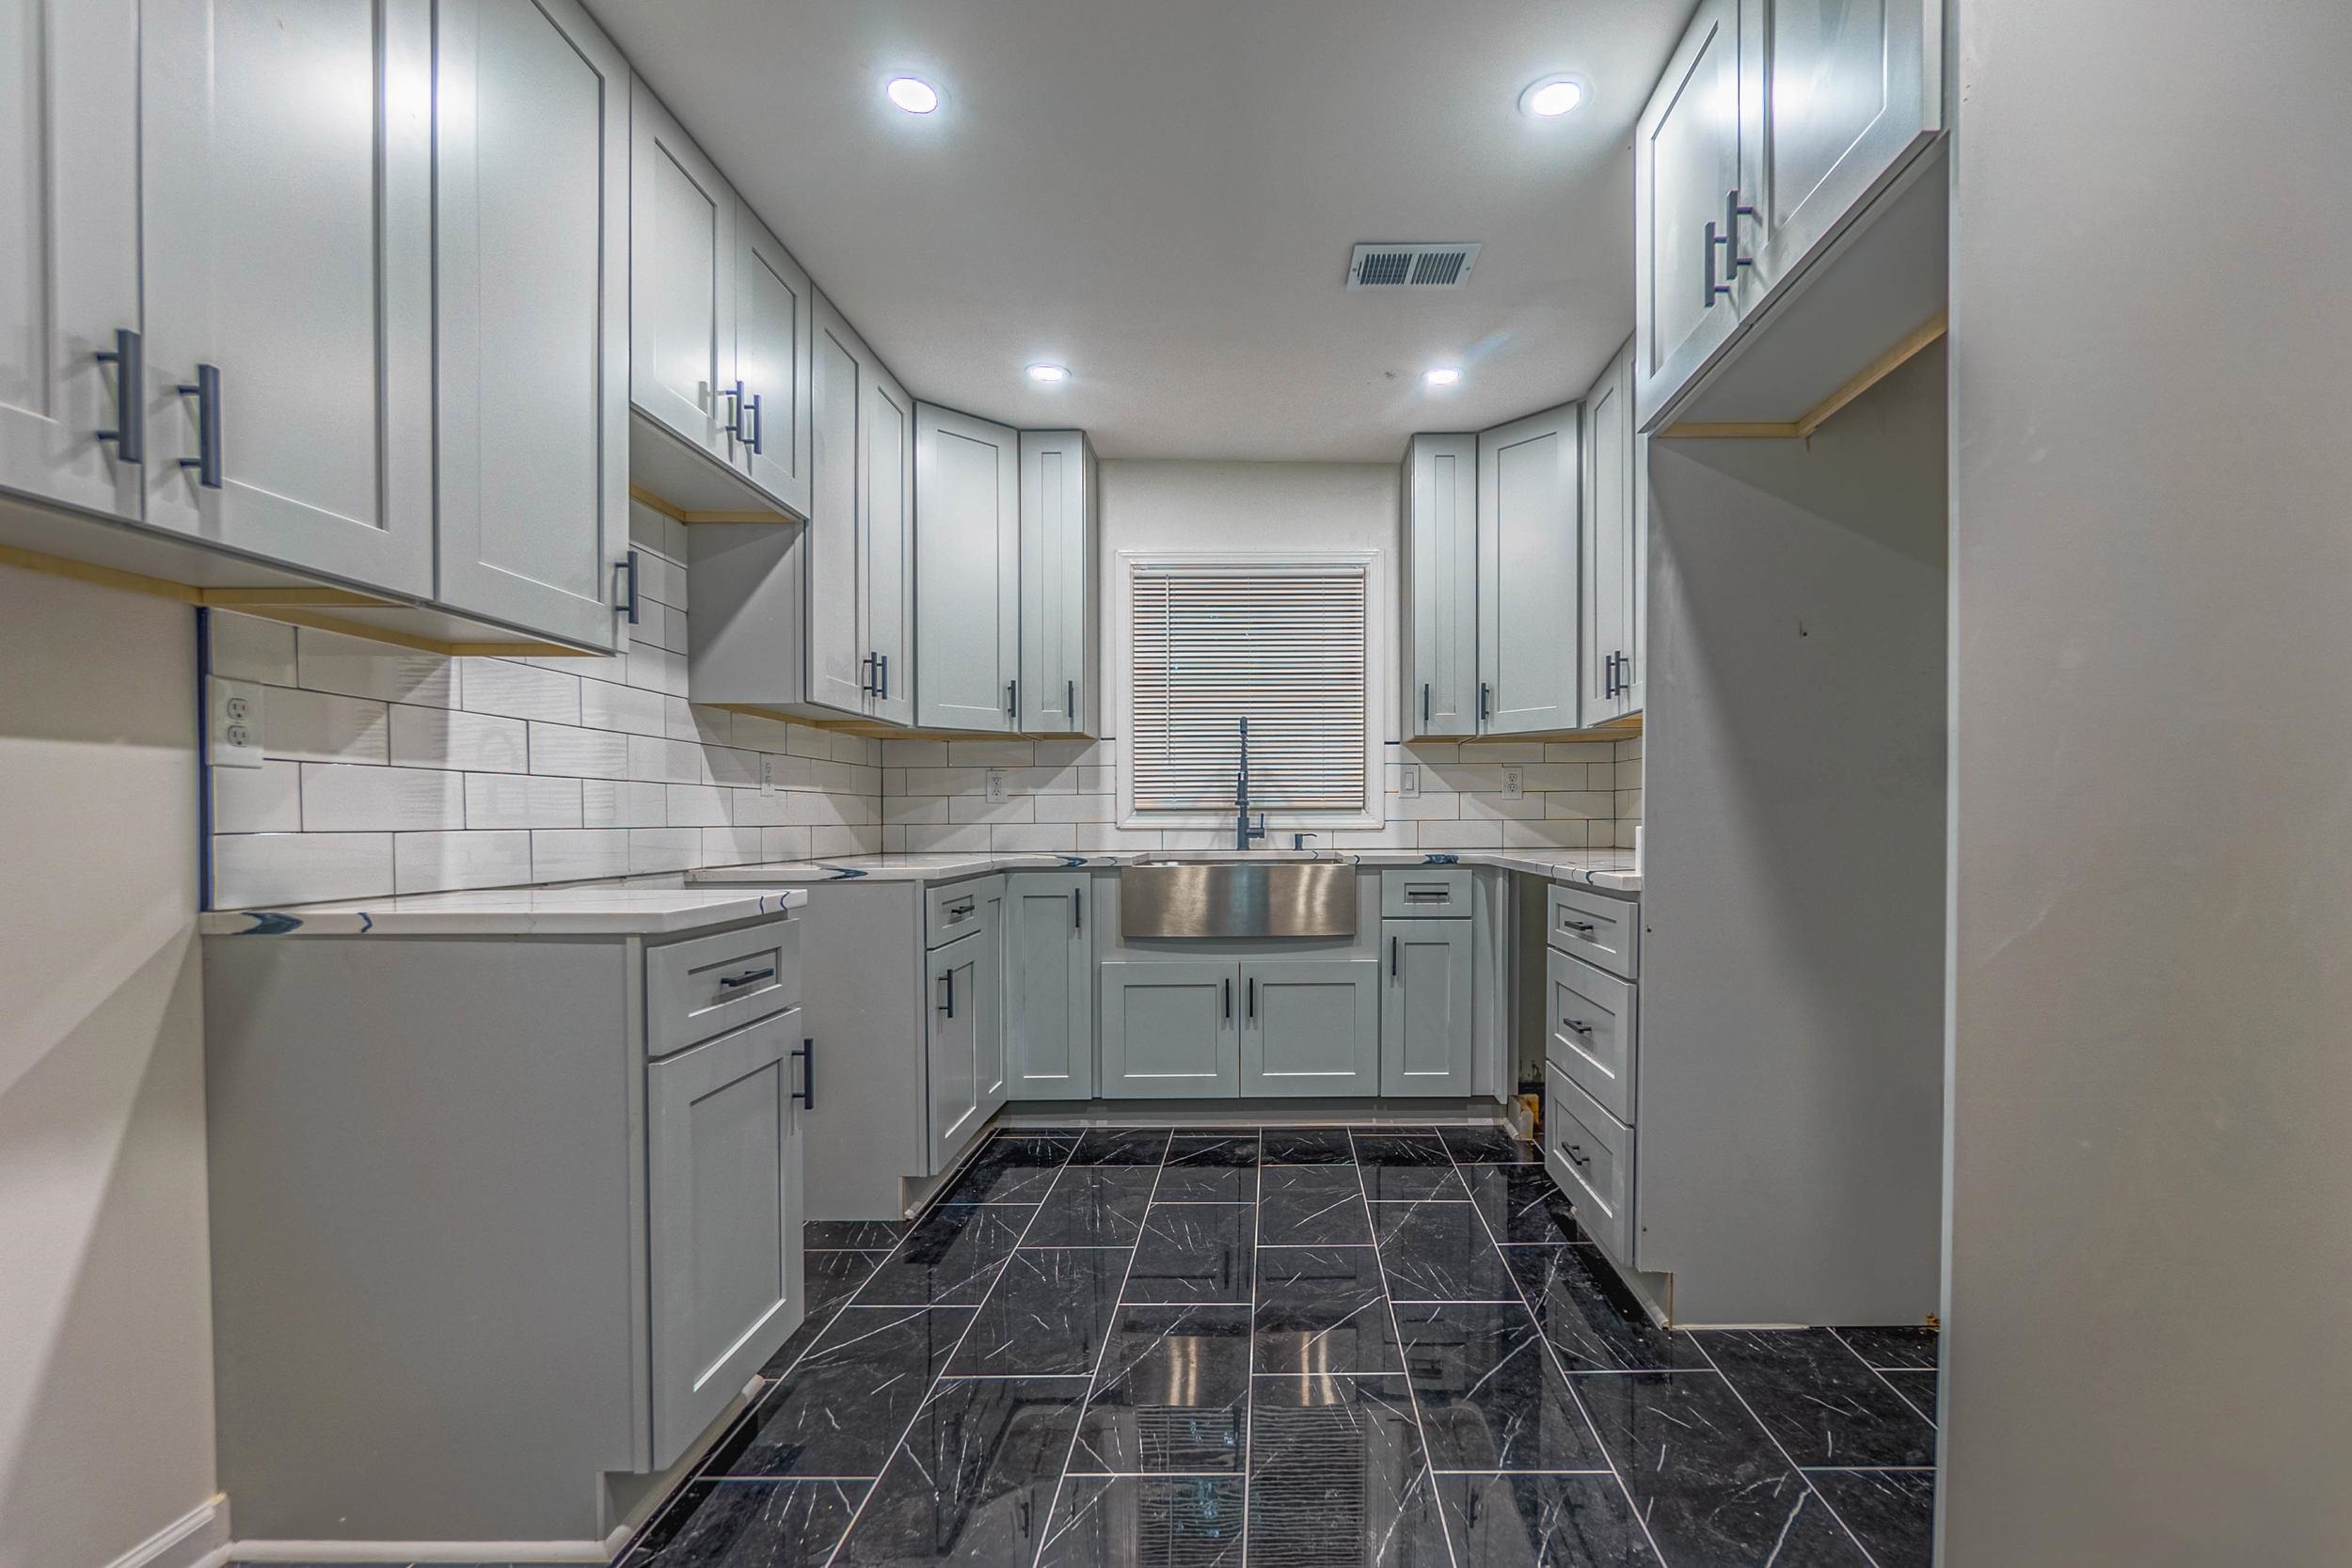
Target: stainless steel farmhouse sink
1236	898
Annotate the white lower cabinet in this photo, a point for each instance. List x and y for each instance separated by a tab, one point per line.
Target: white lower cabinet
723	1200
1590	1155
967	1041
1428	1017
1309	1026
1049	987
1170	1030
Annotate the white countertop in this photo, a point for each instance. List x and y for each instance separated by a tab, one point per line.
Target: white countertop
587	910
1610	870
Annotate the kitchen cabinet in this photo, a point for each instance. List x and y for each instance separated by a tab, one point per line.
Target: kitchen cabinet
1528	476
1689	156
1049	986
886	517
967	1042
1591	1064
1427	1015
70	275
1441	586
1615	576
1309	1026
967	571
774	317
723	1205
291	424
682	284
531	157
1170	1029
1061	628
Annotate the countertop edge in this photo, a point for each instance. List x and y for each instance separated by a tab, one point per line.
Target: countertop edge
524	914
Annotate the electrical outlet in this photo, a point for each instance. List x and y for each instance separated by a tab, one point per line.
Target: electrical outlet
1511	784
1408	781
767	773
235	723
995	786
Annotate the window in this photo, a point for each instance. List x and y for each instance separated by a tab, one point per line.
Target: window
1281	641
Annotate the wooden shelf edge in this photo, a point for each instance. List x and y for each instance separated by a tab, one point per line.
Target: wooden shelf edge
646	498
1802	429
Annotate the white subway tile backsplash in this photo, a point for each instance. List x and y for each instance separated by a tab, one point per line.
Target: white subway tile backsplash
517	690
664	848
1563	832
1076	808
698	807
299	868
826	842
927	838
577	854
329	661
520	801
783	843
317	726
561	748
979	808
1496	753
731	846
472	742
604	705
263	799
438	863
1461	835
1495	807
657	669
1032	838
247	649
992	754
341	797
915	753
623	803
1581	802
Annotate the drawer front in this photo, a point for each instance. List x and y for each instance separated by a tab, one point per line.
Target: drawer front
1431	890
1596	927
958	909
1590	1154
1591	1033
698	989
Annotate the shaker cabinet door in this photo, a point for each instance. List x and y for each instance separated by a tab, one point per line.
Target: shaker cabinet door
1049	986
840	657
1311	1026
1170	1030
1427	1018
886	518
967	543
774	316
1529	475
682	259
1056	555
959	997
1689	157
1441	585
1611	651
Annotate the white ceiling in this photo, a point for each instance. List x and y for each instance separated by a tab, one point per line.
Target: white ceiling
1162	195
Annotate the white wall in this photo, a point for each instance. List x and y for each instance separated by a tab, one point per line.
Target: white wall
105	1312
2151	1212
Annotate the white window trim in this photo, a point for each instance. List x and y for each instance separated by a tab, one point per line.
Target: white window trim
1376	657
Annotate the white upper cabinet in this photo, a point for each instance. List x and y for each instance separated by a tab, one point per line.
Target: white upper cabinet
1440	573
532	203
286	181
1059	631
1689	157
682	261
967	541
1613	578
774	310
70	259
1528	476
832	549
886	520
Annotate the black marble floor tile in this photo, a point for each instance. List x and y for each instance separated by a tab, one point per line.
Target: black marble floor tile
1919	1387
812	1327
1174	1393
1591	1319
1212	1148
1121	1146
750	1523
1311	1205
1146	1522
1047	1315
833	1275
1094	1206
1323	1309
1207	1184
974	1482
854	1235
1818	1400
1536	1521
841	1410
1892	1512
1308	1145
1194	1252
1705	1477
1909	1350
1337	1477
1401	1148
1488	1146
1522	1204
1403	1168
949	1258
1488	1395
1440	1252
1012	1169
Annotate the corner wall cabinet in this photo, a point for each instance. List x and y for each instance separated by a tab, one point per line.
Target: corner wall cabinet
1059	615
1439	643
1528	526
967	568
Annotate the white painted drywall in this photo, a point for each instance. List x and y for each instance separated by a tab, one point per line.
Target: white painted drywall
2150	1216
106	1309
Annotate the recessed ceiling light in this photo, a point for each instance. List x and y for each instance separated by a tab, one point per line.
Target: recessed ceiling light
913	94
1047	374
1443	375
1553	97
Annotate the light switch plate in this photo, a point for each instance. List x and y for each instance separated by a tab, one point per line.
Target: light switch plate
995	786
233	723
1512	784
1408	781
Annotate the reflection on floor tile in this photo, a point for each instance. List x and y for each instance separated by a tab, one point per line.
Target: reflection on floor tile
1055	1369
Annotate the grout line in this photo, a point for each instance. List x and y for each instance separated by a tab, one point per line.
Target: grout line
1249	1385
1880	1372
1869	1469
931	1392
1421	1428
1551	1353
1780	1449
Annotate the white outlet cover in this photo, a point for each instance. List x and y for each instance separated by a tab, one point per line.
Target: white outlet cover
233	710
1512	788
767	773
1408	781
997	785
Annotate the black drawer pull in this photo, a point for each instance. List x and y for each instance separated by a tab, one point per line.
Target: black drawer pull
728	982
1577	1024
1428	893
1578	925
1576	1154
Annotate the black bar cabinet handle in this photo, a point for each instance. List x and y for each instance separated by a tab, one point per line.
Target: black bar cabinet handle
626	566
1012	699
759	426
806	1093
130	432
205	389
881	668
728	982
1229	1001
1077	910
1069	702
1393	958
948	1006
1253	996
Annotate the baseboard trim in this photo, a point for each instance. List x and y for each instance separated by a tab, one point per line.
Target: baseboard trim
197	1539
418	1551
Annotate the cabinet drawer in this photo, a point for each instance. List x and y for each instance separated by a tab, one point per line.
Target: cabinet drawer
958	910
1596	927
698	989
1433	891
1590	1154
1590	1036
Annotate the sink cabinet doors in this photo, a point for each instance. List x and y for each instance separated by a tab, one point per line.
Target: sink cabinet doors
1170	1030
1226	1027
1311	1026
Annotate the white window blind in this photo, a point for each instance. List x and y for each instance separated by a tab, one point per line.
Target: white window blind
1283	645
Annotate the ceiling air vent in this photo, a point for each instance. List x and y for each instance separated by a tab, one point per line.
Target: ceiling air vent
1412	266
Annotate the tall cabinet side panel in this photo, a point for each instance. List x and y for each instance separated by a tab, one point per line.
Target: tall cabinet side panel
862	954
